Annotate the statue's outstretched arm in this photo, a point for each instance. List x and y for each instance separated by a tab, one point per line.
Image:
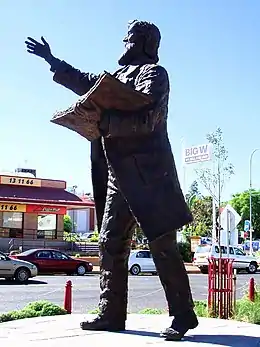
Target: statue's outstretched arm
64	74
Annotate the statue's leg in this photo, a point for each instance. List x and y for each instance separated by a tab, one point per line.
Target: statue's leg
115	244
175	282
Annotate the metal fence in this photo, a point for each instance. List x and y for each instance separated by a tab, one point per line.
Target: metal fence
83	248
88	248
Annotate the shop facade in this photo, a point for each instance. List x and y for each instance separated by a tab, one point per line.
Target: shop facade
33	208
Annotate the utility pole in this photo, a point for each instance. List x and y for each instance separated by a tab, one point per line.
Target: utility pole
250	200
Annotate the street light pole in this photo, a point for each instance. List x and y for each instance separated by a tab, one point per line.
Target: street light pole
250	200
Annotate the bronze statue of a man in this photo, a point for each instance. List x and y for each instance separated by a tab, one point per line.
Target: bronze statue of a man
134	181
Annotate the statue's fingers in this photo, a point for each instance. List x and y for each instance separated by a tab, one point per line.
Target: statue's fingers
30	45
34	41
32	51
44	41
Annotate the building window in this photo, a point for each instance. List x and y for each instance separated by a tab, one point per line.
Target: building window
47	226
12	224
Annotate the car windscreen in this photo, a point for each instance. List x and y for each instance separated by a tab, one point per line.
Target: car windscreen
203	249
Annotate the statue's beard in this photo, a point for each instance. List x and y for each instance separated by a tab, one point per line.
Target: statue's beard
129	55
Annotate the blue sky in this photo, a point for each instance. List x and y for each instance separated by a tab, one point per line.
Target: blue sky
210	49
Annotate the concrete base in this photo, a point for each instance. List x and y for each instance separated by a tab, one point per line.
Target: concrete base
142	330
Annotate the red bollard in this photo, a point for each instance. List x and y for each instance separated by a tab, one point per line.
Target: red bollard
251	290
68	297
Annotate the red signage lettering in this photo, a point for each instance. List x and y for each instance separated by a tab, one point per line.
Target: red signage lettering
46	209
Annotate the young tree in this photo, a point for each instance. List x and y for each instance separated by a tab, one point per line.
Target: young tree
214	178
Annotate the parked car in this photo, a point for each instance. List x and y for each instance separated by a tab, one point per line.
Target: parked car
52	261
141	261
87	236
241	260
19	270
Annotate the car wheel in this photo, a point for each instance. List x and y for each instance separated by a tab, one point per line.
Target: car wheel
135	270
252	268
81	270
22	275
154	273
204	270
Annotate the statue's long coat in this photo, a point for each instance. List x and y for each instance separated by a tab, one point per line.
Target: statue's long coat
137	149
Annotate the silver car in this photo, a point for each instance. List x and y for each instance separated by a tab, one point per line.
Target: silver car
19	270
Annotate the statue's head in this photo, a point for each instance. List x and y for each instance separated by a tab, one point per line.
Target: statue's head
141	43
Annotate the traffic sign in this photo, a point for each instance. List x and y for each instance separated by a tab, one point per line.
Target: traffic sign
234	218
247	225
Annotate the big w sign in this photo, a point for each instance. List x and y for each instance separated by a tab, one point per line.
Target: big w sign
197	154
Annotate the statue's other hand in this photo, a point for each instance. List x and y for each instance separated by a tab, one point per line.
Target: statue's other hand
41	49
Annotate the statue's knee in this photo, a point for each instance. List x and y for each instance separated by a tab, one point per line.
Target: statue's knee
114	246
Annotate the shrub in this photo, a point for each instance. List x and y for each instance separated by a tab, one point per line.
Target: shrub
248	311
34	309
201	308
94	311
94	237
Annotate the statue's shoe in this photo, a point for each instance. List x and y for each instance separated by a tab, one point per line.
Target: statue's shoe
180	326
101	324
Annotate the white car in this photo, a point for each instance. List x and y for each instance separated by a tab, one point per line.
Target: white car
19	270
241	260
141	261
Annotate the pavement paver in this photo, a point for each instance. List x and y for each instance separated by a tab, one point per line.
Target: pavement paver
142	330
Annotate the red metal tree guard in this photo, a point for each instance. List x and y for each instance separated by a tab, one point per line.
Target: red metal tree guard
220	288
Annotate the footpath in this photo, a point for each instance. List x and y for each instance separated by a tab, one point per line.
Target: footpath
142	330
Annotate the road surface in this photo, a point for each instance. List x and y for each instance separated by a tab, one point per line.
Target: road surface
144	291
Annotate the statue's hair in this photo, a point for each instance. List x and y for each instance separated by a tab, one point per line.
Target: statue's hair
152	37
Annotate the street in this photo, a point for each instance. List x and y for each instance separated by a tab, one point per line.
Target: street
144	291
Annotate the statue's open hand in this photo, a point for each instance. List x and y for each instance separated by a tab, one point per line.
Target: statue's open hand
41	49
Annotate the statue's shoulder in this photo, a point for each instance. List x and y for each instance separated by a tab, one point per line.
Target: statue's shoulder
154	69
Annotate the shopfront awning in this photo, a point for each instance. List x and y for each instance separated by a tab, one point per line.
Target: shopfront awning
21	194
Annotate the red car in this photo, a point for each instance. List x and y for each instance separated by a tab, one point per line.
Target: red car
52	261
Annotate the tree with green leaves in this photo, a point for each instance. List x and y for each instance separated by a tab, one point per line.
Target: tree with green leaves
192	194
202	217
67	224
240	202
68	232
